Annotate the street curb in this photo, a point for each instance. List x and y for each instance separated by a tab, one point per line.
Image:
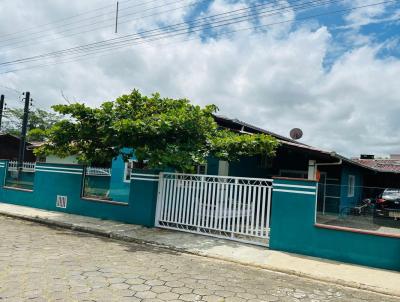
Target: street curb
115	236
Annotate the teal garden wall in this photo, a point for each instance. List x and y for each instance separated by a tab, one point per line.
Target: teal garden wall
293	229
52	180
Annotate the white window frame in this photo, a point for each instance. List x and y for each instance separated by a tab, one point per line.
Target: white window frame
126	171
351	186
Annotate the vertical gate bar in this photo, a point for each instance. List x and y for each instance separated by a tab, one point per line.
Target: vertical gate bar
178	199
170	191
182	204
258	210
193	200
231	188
268	211
234	201
221	204
169	199
217	204
225	205
173	199
212	209
209	185
263	217
204	201
253	208
239	209
244	208
186	208
189	200
191	190
249	207
197	209
164	197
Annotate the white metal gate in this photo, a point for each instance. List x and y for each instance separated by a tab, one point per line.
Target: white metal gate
235	208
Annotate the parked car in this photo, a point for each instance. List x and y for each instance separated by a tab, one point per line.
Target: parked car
388	204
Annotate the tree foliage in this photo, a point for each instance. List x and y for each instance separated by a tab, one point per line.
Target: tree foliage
164	132
38	119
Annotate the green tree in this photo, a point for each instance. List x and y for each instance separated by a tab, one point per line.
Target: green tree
164	132
38	119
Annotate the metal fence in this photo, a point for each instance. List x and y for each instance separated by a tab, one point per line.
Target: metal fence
26	166
237	208
95	171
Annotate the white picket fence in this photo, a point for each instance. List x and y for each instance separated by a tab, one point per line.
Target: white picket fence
95	171
26	166
237	208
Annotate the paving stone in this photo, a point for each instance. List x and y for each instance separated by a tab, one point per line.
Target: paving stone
39	263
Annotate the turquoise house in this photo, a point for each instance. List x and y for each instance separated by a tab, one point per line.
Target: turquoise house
340	180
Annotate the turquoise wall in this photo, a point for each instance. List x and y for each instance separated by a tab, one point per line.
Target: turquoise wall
144	196
119	189
66	180
293	229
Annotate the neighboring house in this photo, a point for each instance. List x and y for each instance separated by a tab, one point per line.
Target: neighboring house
386	171
9	148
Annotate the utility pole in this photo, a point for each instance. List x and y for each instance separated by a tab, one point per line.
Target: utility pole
116	18
21	153
1	108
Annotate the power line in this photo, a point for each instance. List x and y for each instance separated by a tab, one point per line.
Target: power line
103	27
115	45
30	38
77	58
234	16
63	19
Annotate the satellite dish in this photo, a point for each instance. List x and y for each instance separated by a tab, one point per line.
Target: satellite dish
296	133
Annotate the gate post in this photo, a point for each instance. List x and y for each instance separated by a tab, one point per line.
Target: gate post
143	196
292	214
3	172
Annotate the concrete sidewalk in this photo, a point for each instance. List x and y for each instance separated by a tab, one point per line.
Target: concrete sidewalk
376	280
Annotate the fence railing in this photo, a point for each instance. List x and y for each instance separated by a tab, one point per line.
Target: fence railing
94	171
234	207
26	166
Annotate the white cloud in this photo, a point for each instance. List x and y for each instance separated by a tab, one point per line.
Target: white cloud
367	15
275	80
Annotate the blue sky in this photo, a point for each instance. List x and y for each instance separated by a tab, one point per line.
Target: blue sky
334	76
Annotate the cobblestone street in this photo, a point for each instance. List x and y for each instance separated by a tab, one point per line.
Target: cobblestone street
38	263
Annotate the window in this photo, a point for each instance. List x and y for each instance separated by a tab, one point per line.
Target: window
128	170
223	168
133	164
351	184
201	169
